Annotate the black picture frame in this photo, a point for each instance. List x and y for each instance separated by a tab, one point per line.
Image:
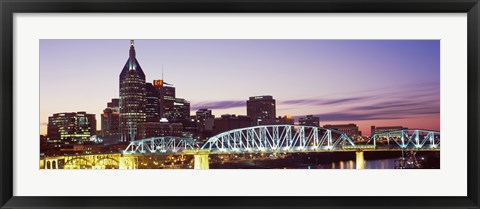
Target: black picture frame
10	7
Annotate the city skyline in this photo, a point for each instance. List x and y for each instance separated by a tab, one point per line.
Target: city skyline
369	83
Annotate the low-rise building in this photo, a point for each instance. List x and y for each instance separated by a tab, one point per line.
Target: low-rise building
157	129
229	122
351	130
309	120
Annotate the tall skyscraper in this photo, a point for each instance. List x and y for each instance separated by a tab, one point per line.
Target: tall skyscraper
132	97
261	109
153	104
166	93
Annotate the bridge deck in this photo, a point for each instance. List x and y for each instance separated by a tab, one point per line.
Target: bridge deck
205	152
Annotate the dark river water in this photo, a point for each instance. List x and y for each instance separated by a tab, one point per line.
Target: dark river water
350	164
377	161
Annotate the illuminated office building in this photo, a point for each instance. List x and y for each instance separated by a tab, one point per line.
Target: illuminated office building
383	129
132	97
158	129
310	120
204	119
205	122
181	110
350	129
153	106
261	109
166	94
71	127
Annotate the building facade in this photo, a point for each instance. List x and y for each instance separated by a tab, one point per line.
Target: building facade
205	121
132	97
71	128
285	120
158	129
110	118
152	108
166	94
181	111
309	120
229	122
351	130
114	104
383	129
261	110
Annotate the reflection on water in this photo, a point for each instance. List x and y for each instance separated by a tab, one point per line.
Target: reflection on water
375	160
369	164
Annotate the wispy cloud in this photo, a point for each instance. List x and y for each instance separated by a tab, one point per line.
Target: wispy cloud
238	103
322	101
219	104
352	117
401	107
386	110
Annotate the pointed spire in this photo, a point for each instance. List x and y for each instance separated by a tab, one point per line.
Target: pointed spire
132	63
131	60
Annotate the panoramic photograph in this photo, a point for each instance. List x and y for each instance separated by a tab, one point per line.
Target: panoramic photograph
239	104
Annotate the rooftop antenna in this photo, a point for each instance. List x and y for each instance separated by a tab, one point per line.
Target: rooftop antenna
162	71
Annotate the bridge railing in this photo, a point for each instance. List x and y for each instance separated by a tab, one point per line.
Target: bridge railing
408	138
165	144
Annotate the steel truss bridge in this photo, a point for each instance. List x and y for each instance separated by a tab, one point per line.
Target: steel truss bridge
287	139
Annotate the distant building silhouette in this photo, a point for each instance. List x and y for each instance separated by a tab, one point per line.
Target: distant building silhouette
229	122
285	120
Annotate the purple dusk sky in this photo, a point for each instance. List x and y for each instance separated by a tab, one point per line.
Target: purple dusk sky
367	82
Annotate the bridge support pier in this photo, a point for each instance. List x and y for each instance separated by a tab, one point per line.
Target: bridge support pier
201	161
360	162
51	163
42	164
